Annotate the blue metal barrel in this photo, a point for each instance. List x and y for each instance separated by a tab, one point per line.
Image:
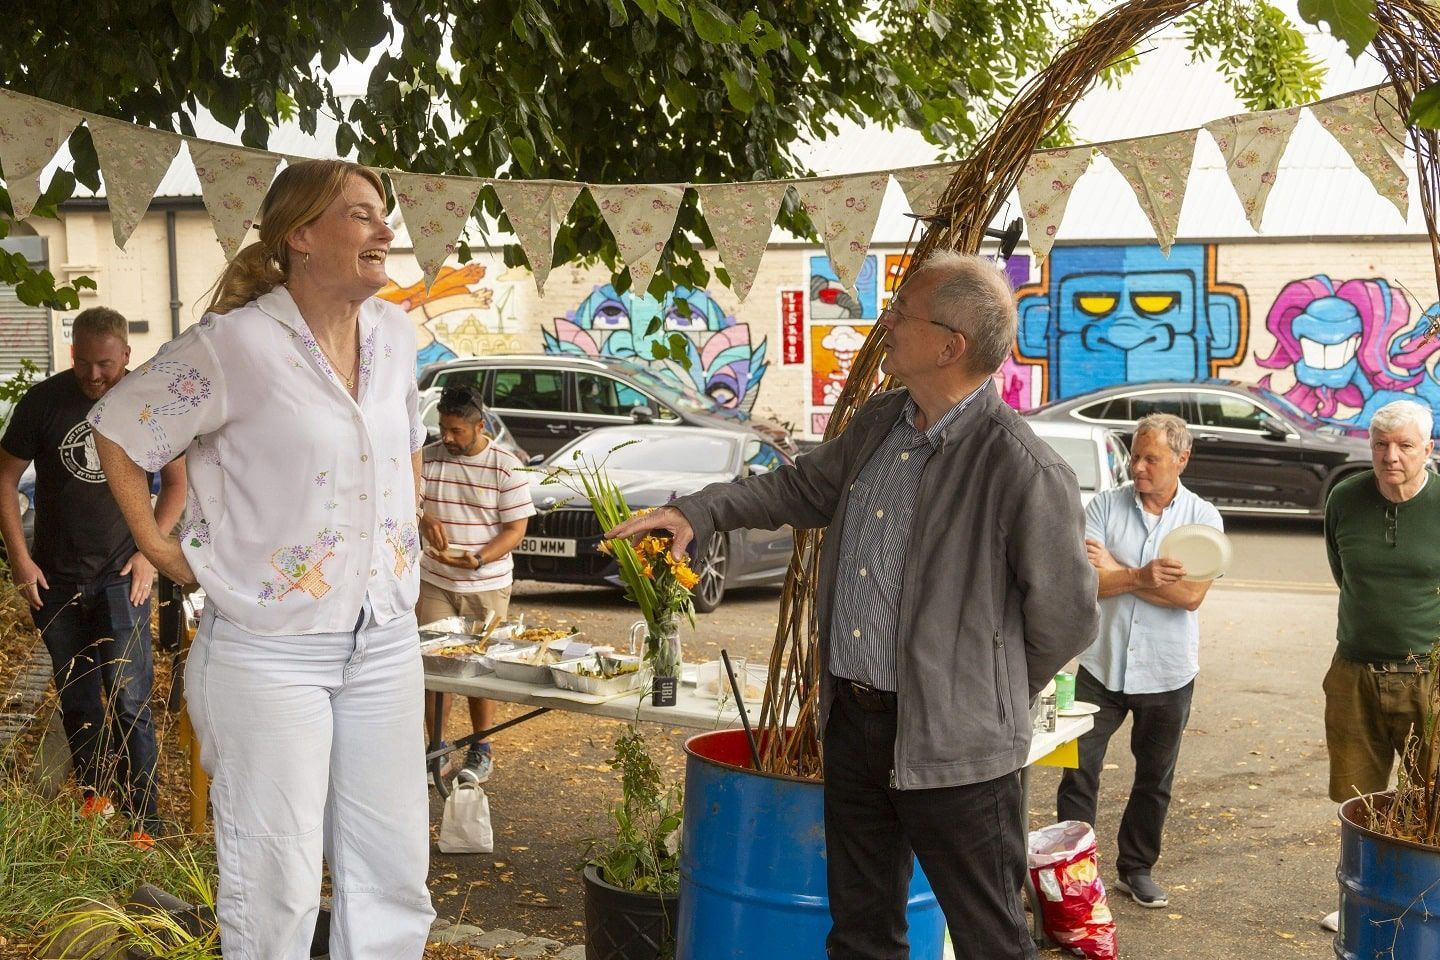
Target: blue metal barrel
1389	891
752	863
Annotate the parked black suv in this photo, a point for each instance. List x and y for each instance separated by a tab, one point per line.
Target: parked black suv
547	400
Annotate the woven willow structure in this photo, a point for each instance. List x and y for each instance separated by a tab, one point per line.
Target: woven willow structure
1408	45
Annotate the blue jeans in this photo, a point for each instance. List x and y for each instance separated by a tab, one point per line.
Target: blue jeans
99	644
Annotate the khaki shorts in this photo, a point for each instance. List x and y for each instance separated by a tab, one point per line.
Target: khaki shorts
1368	717
437	603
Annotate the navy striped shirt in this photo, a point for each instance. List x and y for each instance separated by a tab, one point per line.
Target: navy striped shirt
873	546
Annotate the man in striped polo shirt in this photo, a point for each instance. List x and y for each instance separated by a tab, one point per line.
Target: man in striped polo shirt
474	501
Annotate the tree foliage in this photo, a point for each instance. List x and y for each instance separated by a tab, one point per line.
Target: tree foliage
614	91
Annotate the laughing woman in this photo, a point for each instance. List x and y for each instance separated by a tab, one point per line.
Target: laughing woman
295	398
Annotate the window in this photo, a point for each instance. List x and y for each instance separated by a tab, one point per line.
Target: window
458	378
1119	459
1230	413
530	390
607	397
1080	454
1116	409
1144	404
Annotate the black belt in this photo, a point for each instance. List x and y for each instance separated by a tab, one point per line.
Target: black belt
867	697
1399	666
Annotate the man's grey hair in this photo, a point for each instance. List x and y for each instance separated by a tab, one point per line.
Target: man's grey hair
1176	433
1400	413
973	296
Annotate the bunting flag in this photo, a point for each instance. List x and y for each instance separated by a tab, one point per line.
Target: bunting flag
233	181
641	216
1252	145
924	186
133	161
30	132
435	209
740	217
1044	188
1369	127
1157	169
534	207
844	210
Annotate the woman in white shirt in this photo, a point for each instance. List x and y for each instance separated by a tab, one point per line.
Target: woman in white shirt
295	398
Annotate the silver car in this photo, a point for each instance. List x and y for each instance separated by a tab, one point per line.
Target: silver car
1096	454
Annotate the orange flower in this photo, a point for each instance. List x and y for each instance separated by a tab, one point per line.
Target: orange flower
684	576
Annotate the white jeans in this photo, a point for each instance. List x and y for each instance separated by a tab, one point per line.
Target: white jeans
314	747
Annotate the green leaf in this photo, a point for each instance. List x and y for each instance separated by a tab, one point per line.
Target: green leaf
524	153
681	94
740	98
618	17
711	24
1351	21
195	15
653	327
1425	109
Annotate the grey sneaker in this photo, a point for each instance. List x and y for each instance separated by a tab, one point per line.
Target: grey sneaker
478	765
1143	890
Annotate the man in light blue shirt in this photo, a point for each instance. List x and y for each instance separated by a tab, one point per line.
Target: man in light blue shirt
1146	657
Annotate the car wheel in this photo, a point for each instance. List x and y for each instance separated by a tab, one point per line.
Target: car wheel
713	564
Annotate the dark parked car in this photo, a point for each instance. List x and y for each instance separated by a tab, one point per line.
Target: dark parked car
1255	452
560	543
547	400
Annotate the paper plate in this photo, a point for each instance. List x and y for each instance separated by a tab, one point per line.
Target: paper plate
1079	709
1204	550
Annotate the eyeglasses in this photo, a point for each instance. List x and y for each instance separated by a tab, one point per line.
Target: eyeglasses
1391	518
893	311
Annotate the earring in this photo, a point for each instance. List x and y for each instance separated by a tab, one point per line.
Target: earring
307	261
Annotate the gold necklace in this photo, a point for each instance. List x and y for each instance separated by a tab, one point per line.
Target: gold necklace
335	367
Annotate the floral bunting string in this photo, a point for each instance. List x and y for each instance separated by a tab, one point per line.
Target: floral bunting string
133	161
924	186
233	181
641	217
844	210
30	132
1366	124
740	217
1044	187
1157	169
1252	145
435	209
533	208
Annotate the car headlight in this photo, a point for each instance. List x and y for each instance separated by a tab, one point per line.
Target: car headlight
24	504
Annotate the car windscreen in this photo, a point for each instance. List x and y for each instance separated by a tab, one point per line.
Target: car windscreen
674	395
683	453
1080	454
1288	407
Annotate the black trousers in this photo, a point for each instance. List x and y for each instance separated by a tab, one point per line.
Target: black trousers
1160	720
970	840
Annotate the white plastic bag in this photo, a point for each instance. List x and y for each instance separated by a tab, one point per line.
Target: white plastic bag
465	825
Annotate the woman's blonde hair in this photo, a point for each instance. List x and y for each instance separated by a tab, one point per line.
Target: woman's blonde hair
299	195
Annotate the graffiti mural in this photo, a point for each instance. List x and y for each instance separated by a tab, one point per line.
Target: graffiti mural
724	364
457	317
1102	315
831	301
833	347
1350	347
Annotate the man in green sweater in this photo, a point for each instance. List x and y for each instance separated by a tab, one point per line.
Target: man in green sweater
1382	536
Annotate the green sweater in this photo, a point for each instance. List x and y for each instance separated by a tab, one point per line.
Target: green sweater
1389	594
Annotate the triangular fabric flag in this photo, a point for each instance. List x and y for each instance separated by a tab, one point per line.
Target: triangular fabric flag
533	208
30	132
1252	145
233	181
1157	169
1367	125
924	186
844	210
740	217
641	216
435	209
1044	188
133	160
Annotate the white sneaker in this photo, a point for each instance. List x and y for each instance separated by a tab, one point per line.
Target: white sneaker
1331	922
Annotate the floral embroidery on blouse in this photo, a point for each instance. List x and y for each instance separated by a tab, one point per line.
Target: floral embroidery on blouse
190	390
367	358
301	568
404	541
322	478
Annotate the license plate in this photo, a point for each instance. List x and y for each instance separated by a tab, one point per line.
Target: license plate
546	547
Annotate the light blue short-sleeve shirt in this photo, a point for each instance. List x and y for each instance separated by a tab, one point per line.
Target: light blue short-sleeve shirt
1143	648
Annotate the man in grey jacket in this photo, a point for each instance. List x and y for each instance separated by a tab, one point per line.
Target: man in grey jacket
953	584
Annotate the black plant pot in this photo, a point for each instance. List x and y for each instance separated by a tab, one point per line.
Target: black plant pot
624	925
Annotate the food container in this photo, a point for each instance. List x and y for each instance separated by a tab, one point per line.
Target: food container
567	676
460	666
515	664
711	683
469	627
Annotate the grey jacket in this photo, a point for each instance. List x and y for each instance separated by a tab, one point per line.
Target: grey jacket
997	592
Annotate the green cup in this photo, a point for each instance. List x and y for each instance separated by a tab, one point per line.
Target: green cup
1064	691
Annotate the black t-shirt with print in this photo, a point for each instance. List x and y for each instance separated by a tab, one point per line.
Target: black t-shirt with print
80	534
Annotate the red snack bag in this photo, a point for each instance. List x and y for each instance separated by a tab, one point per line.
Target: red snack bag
1065	870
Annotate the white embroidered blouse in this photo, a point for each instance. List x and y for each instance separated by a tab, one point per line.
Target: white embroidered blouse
301	501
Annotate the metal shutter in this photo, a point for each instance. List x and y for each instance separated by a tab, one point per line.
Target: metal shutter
24	334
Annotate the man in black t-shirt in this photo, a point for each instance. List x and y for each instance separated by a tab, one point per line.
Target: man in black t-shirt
87	584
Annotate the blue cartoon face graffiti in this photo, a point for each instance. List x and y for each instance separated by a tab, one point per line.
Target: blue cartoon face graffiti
1329	335
1107	315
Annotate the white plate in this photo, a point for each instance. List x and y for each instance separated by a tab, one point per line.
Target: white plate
1080	709
1204	550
